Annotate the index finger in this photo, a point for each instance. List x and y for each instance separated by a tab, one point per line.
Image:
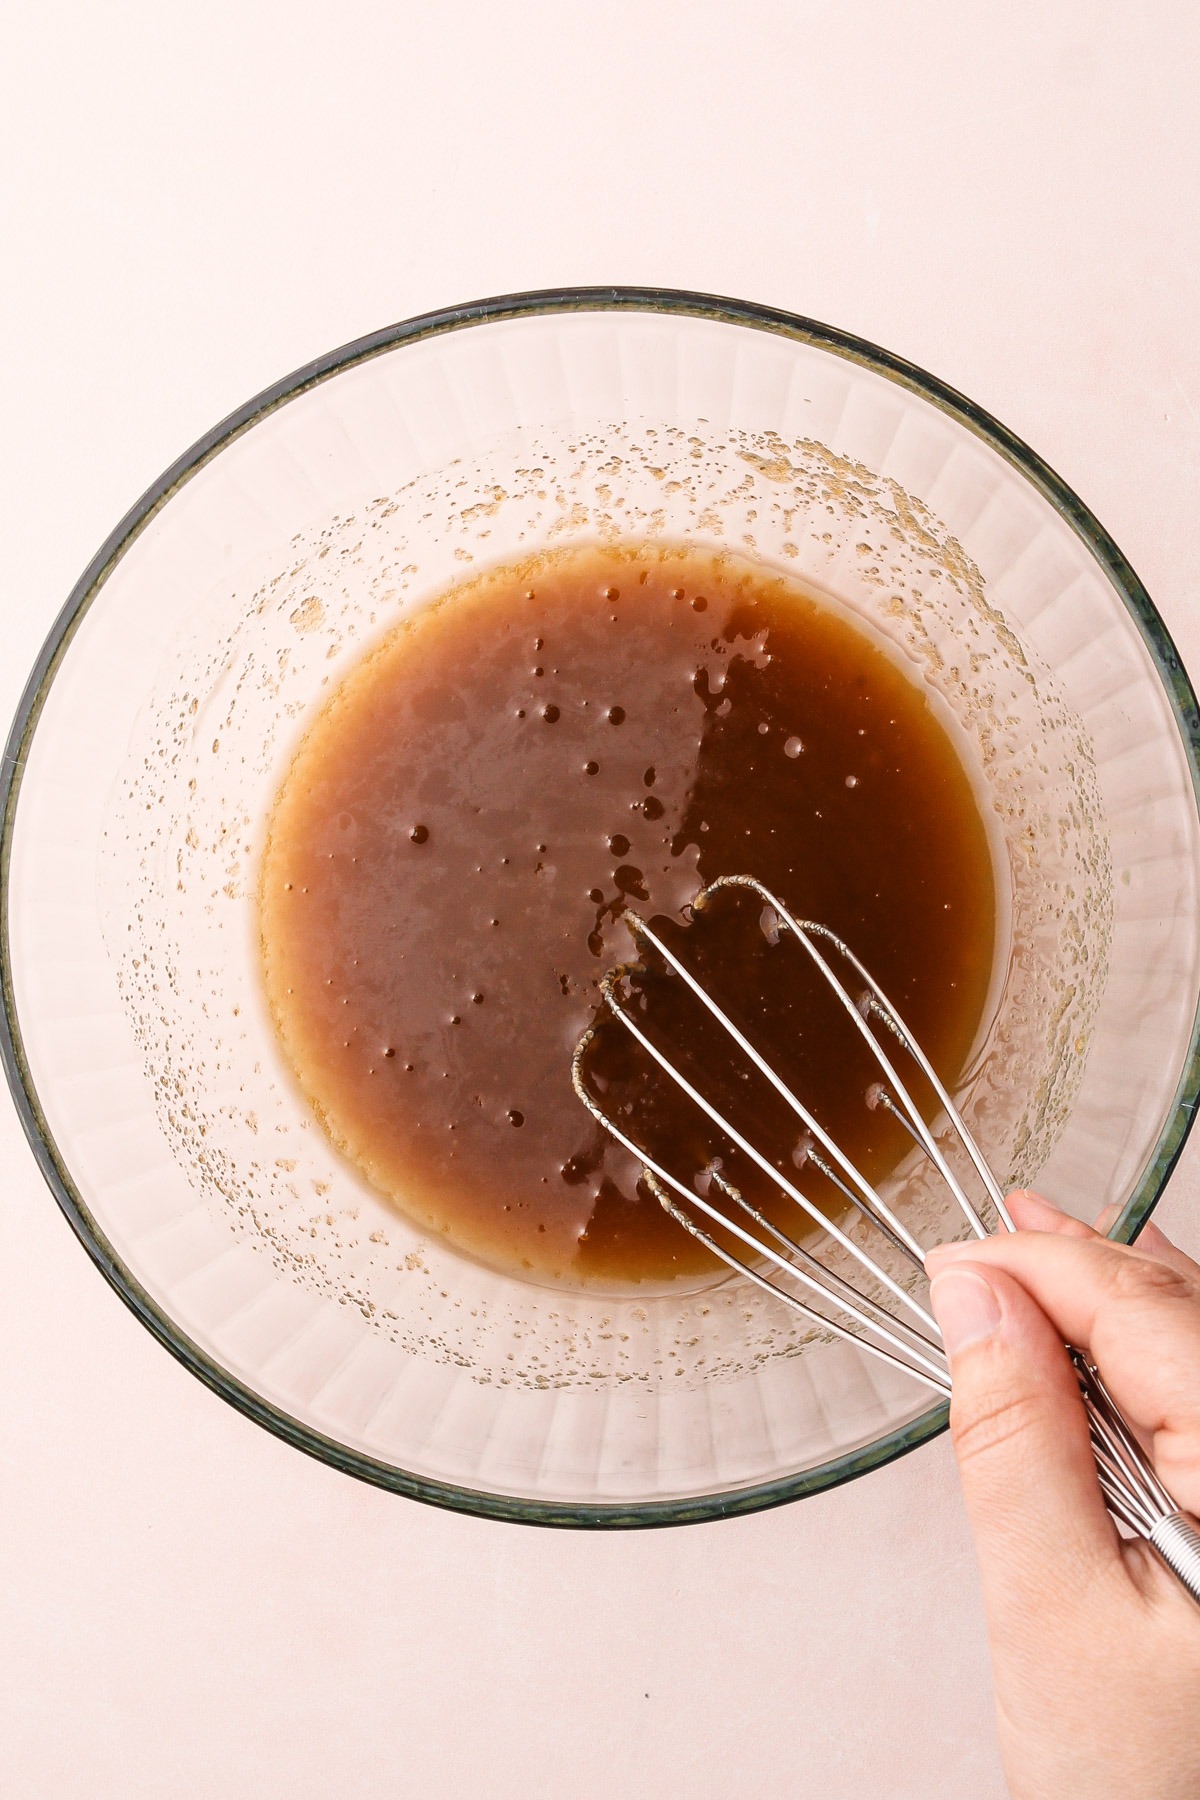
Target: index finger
1033	1212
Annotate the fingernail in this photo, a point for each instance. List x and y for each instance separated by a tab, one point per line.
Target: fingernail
949	1253
965	1307
1032	1194
1033	1211
1107	1217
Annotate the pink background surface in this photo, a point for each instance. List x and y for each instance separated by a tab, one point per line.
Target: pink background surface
195	201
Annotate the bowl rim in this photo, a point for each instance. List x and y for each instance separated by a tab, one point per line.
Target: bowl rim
683	303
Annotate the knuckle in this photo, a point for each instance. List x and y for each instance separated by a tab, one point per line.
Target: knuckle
1145	1278
996	1421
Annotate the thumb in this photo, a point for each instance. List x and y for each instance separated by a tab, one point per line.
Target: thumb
1042	1532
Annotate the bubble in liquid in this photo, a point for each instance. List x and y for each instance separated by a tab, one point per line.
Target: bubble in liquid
793	747
802	1151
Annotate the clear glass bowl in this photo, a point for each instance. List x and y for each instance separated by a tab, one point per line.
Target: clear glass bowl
178	679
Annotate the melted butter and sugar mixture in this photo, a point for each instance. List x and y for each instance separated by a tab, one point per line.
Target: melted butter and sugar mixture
464	824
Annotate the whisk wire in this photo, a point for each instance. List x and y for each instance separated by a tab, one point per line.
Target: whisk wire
841	1291
607	989
806	932
660	1179
921	1368
870	1199
818	1162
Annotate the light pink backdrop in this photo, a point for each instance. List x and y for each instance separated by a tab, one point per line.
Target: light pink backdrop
196	199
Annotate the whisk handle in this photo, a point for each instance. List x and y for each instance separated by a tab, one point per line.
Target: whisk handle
1133	1490
1177	1540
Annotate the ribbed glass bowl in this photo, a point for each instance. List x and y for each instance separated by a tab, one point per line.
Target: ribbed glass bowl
212	624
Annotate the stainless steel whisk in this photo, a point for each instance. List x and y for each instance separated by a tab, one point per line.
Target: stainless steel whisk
890	1322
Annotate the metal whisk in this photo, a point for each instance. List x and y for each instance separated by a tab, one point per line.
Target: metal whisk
877	1308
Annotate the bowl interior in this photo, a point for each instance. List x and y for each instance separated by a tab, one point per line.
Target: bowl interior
181	687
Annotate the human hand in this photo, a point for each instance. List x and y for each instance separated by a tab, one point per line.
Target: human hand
1095	1646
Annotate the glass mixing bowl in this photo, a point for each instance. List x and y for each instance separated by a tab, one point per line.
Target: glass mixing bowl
215	620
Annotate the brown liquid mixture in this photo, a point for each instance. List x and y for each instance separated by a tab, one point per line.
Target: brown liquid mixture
452	849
